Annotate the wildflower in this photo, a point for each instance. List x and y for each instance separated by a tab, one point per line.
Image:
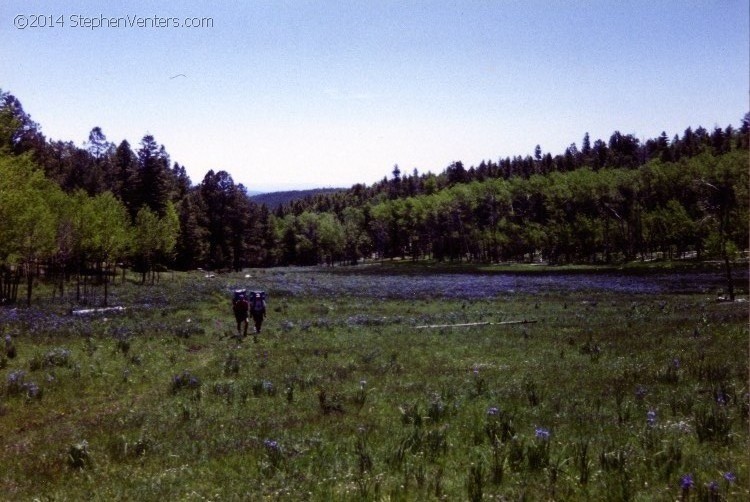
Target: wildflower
271	444
721	398
686	482
32	390
651	418
541	433
676	363
16	377
185	379
713	488
493	411
362	384
640	392
729	477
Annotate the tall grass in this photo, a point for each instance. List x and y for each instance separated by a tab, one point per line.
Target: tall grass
607	397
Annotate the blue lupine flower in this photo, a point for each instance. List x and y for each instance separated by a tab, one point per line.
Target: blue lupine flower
32	390
16	377
686	482
729	477
271	444
185	379
541	433
721	399
493	411
651	418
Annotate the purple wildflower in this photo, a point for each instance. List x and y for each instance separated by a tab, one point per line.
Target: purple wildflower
16	377
541	433
640	392
272	446
686	482
32	390
713	488
721	398
493	411
729	477
651	418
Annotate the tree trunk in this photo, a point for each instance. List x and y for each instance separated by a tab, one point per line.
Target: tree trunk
106	283
730	284
29	285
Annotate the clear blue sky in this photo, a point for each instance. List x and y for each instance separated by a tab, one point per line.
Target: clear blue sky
289	94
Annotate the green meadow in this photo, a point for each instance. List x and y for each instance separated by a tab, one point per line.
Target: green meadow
600	395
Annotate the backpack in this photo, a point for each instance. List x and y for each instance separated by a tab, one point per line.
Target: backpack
239	301
258	301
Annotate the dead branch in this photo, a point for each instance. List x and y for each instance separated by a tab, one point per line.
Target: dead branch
487	323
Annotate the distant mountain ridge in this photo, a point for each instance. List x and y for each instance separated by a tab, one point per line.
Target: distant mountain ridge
275	199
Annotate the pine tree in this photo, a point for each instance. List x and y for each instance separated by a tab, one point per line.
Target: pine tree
126	178
153	176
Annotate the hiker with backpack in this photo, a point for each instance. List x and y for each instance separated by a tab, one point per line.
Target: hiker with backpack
240	307
258	309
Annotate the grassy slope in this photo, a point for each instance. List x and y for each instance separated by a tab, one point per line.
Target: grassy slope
405	413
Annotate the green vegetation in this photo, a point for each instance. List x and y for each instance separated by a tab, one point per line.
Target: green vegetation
607	397
620	391
609	202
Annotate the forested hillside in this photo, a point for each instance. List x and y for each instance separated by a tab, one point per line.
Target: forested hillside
69	211
276	199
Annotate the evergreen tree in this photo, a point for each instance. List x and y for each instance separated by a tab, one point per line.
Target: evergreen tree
18	133
586	146
153	180
126	184
181	182
191	250
456	173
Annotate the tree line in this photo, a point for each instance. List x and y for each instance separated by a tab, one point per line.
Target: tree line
76	212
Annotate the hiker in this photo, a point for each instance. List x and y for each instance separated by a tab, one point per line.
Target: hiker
258	309
240	306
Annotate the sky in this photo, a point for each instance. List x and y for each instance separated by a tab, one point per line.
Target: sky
305	94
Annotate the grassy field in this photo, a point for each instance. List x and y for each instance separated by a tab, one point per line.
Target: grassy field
607	396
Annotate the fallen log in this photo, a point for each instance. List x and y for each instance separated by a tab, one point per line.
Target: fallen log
487	323
97	311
